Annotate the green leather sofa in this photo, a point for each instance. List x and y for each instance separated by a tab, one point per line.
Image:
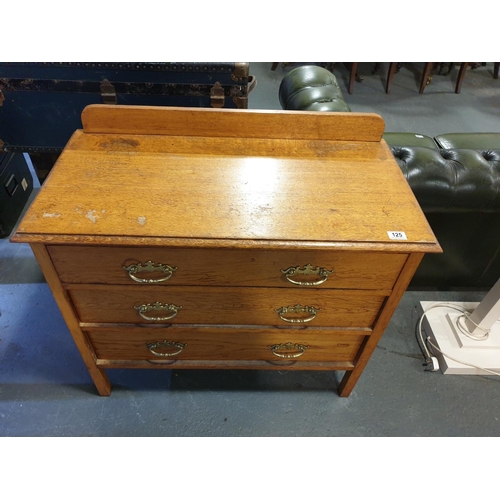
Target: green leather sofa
459	192
455	178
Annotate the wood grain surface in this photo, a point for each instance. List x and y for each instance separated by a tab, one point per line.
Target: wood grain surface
222	344
350	378
109	192
86	350
206	122
226	305
225	267
226	364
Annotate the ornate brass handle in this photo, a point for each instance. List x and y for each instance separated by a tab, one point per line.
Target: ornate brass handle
307	270
288	347
165	343
150	267
297	309
157	306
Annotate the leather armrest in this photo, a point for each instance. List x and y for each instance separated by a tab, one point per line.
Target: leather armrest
482	140
409	139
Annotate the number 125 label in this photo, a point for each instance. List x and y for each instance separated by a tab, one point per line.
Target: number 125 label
397	235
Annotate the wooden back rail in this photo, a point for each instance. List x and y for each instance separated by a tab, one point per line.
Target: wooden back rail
209	122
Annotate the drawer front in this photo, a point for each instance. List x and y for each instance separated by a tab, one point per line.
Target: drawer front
178	266
222	344
225	305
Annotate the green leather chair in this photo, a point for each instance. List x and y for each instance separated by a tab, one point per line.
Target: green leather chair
311	88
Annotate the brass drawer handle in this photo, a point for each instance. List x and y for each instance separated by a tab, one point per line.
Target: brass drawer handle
164	344
288	347
307	270
157	306
297	309
150	267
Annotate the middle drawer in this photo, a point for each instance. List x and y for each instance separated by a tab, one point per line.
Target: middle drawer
226	305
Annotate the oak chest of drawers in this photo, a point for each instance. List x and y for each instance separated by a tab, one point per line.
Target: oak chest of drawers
207	238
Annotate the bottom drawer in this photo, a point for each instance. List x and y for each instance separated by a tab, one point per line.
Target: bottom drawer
223	344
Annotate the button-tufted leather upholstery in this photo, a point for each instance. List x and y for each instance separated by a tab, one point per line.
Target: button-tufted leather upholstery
459	192
311	88
452	179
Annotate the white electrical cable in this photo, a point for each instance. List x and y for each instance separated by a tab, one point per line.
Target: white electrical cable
462	328
461	362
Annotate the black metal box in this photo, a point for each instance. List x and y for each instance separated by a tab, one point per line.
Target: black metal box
16	185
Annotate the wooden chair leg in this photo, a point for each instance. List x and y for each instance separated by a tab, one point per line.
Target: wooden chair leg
425	75
496	66
390	76
460	77
274	66
352	77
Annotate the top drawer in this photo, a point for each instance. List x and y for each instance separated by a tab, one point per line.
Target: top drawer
221	267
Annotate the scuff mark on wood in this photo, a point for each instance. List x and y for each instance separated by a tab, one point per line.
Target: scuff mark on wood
92	216
141	220
48	215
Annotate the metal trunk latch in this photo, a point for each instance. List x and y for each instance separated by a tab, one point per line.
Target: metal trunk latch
108	92
217	96
240	71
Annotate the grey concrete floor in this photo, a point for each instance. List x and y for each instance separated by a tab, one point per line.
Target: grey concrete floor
45	389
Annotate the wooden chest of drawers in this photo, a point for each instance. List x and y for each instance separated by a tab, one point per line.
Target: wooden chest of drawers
206	238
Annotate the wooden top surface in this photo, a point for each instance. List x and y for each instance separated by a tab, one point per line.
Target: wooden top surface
213	177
